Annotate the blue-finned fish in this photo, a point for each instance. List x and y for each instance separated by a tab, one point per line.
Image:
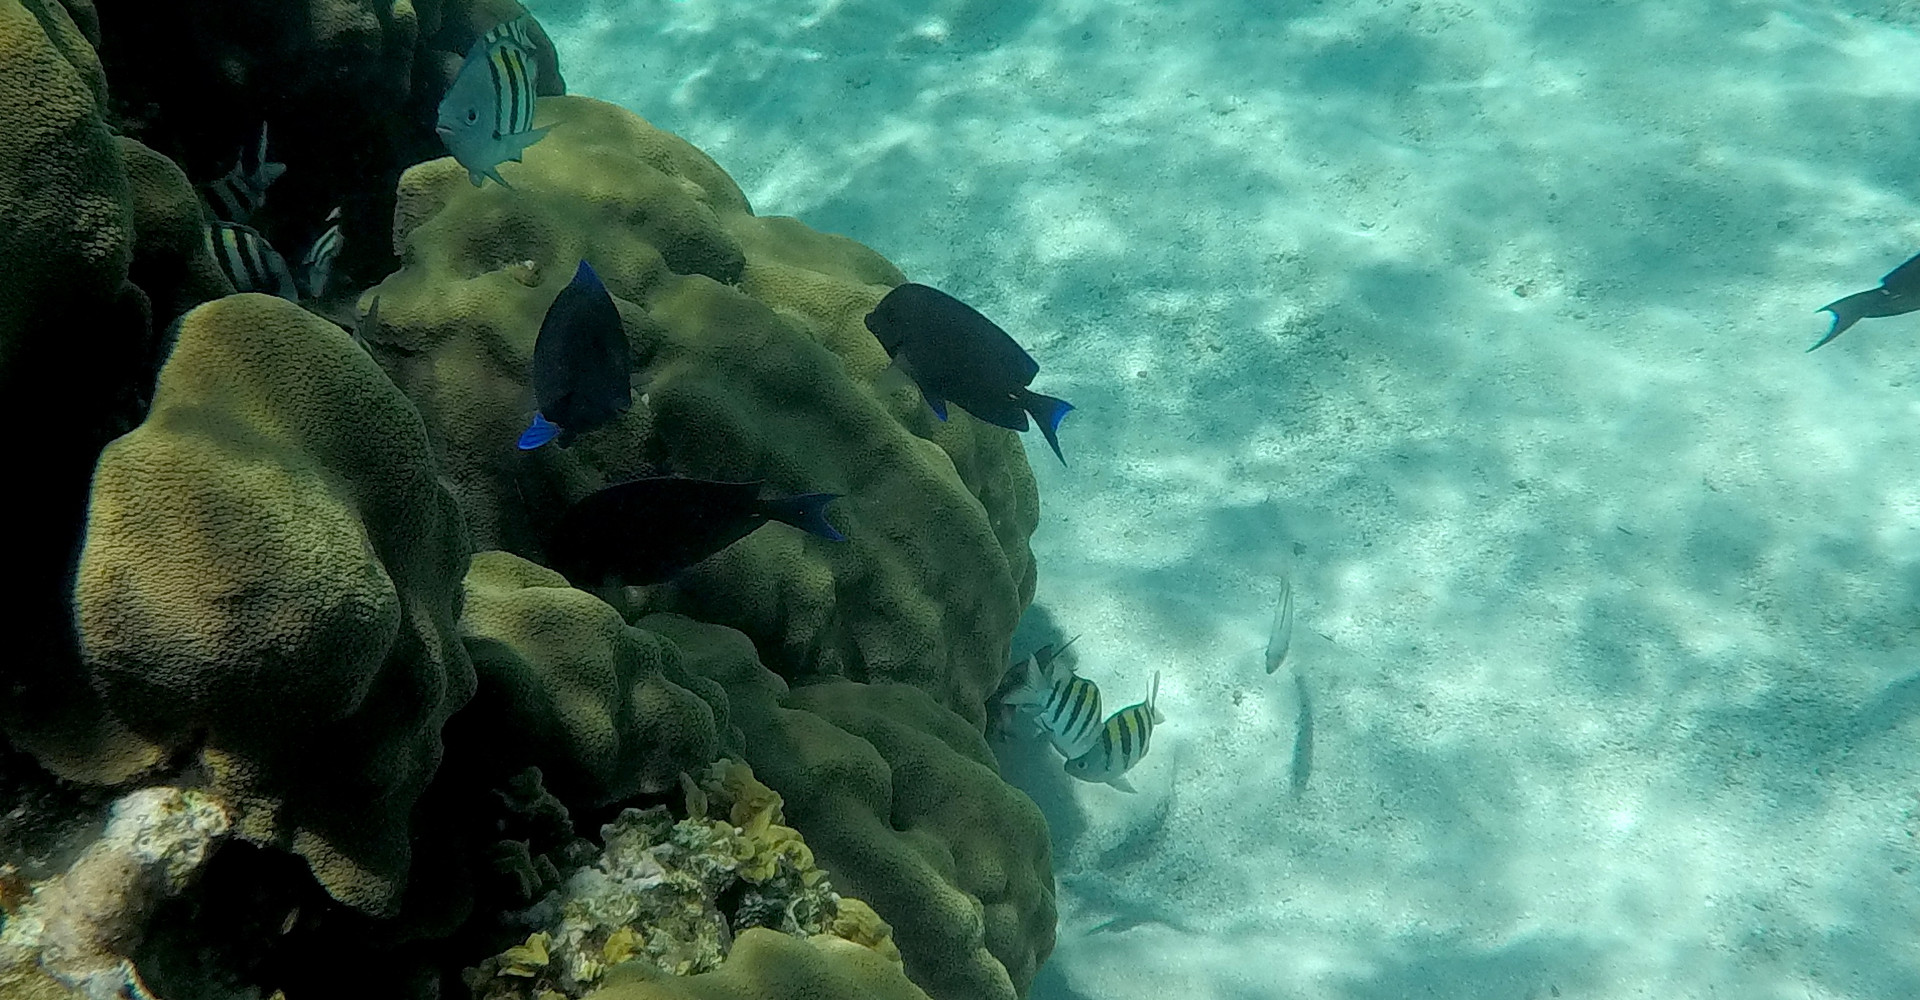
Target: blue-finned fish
580	360
486	117
1066	706
646	530
250	262
1899	292
1123	741
316	267
955	354
240	192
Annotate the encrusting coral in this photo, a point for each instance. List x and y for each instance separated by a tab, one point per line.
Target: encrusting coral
665	898
751	363
270	580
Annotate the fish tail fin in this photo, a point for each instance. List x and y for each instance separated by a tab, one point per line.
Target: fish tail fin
808	512
538	433
1846	312
1047	412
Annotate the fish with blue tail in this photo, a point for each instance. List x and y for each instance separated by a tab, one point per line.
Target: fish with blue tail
1899	293
249	262
646	530
580	364
1123	740
955	354
241	191
316	266
486	117
1066	706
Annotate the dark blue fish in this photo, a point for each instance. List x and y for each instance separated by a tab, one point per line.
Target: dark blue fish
646	530
956	355
1899	292
250	262
580	378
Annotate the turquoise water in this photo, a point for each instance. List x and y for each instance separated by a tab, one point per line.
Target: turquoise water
1607	591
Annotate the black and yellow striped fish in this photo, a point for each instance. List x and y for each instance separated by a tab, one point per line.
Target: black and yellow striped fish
250	262
240	192
1066	706
1123	741
486	118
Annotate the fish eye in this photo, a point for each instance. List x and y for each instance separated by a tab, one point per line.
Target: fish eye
472	116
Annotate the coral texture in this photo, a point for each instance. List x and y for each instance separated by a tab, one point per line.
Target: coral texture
603	709
752	363
899	800
271	578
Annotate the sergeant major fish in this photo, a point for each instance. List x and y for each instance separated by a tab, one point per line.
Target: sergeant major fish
249	262
316	267
240	192
1123	741
580	361
953	353
1066	706
486	118
1899	292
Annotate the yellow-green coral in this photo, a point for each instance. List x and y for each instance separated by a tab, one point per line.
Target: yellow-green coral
900	804
601	708
752	363
271	578
767	965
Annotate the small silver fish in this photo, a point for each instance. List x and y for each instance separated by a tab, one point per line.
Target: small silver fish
486	119
1123	741
316	268
1280	638
240	192
250	262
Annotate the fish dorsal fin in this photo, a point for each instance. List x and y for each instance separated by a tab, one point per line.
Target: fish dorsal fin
1153	698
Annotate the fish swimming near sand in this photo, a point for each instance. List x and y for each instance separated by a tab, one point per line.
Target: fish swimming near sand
580	360
249	262
955	354
646	530
316	266
1123	740
1066	706
241	191
1899	293
1280	636
486	117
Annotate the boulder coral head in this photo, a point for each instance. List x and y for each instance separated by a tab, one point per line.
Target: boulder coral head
270	583
750	362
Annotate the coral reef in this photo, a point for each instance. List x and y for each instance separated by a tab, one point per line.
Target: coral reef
748	346
270	570
672	894
81	927
253	576
602	709
899	800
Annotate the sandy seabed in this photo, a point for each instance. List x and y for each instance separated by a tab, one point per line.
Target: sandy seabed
1484	321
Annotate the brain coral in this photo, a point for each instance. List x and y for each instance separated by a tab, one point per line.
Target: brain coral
749	348
603	709
73	348
900	803
271	578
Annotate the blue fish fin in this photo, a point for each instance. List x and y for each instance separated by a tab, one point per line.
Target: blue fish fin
538	433
1846	312
939	405
1047	412
808	512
